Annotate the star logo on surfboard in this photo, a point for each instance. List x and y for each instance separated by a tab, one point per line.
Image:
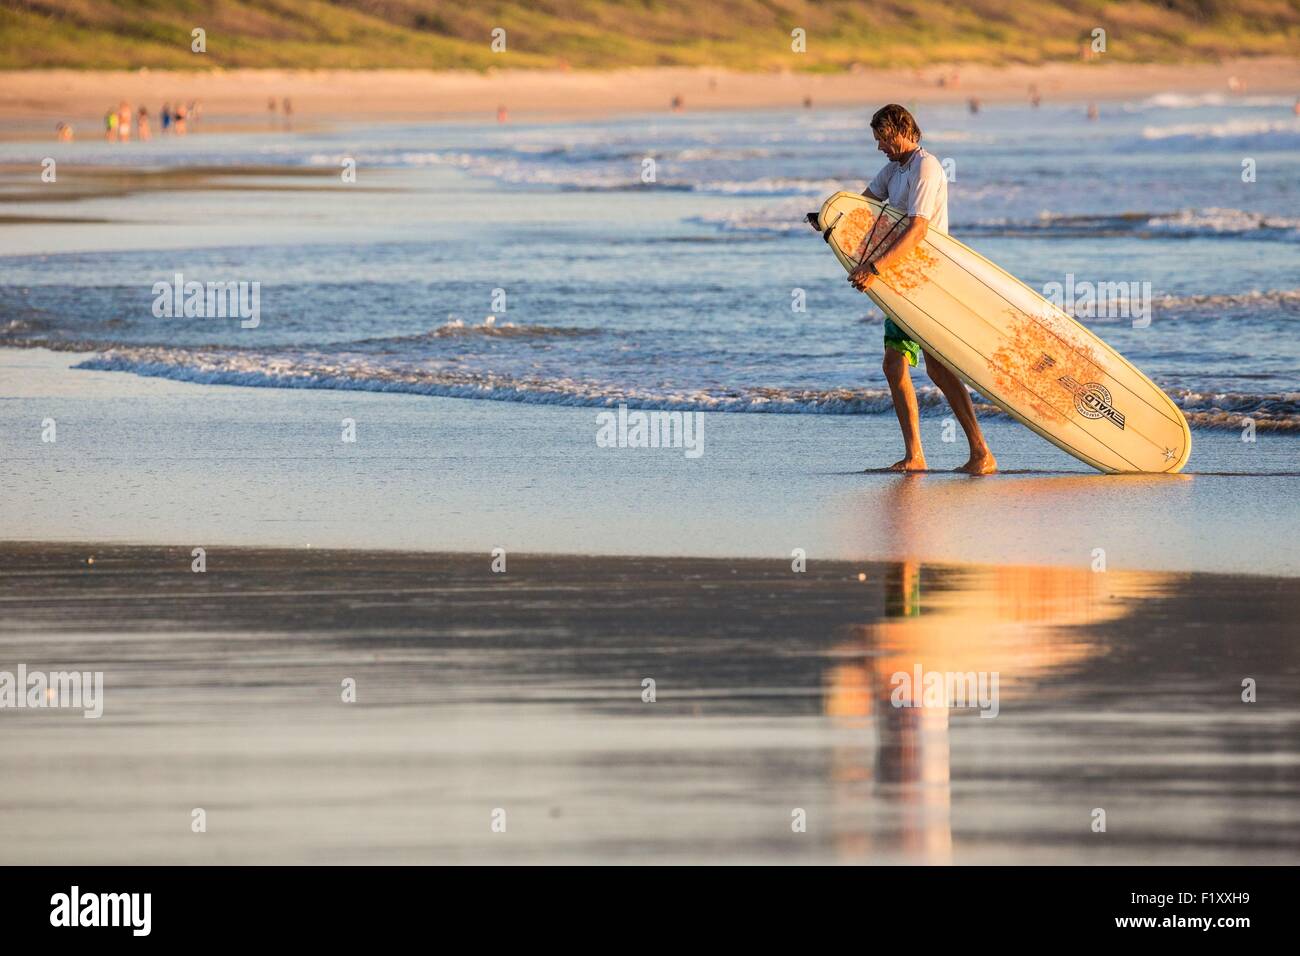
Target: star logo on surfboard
1169	454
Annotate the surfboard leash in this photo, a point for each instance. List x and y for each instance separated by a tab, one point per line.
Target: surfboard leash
866	256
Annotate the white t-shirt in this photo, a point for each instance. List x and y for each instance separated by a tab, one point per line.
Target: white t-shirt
920	187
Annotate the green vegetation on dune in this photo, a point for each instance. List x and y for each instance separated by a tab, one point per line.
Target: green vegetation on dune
740	34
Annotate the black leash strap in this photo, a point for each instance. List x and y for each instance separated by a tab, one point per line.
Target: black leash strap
866	256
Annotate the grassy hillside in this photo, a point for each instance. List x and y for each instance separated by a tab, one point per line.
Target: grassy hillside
741	34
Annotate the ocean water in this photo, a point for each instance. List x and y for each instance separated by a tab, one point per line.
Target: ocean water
535	263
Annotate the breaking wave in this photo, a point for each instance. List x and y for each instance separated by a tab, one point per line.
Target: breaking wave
1213	222
455	328
1258	133
1205	409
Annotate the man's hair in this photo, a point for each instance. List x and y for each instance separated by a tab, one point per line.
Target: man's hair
893	120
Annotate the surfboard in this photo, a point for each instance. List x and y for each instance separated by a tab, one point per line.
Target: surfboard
1017	349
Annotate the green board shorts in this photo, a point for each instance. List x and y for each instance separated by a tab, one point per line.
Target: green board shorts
896	339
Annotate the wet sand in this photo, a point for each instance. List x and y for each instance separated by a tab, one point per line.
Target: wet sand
80	184
150	460
522	691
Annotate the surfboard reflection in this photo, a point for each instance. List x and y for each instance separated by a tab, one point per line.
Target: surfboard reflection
954	645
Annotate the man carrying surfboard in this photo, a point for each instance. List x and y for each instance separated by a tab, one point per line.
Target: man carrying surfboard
914	181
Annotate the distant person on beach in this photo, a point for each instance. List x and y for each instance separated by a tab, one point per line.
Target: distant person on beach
502	113
142	123
124	121
973	104
1093	112
678	104
914	181
178	120
287	109
110	124
1034	98
166	117
63	133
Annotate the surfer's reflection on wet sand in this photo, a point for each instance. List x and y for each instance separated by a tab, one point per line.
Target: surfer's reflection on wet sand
909	773
1007	628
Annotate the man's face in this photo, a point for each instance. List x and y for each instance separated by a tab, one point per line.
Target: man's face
893	147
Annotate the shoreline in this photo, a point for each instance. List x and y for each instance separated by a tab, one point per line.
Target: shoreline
32	99
135	454
64	555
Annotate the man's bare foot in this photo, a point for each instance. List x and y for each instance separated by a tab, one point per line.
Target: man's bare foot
981	463
915	463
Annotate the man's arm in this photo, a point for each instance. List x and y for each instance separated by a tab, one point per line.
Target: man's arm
862	277
870	195
923	202
917	227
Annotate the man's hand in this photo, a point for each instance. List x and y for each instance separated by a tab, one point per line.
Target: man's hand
862	277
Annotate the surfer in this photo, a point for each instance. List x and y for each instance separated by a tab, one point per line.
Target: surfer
913	180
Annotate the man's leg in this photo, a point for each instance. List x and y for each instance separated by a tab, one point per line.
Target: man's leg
904	396
981	460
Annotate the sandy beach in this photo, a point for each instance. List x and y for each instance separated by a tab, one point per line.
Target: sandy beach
34	100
